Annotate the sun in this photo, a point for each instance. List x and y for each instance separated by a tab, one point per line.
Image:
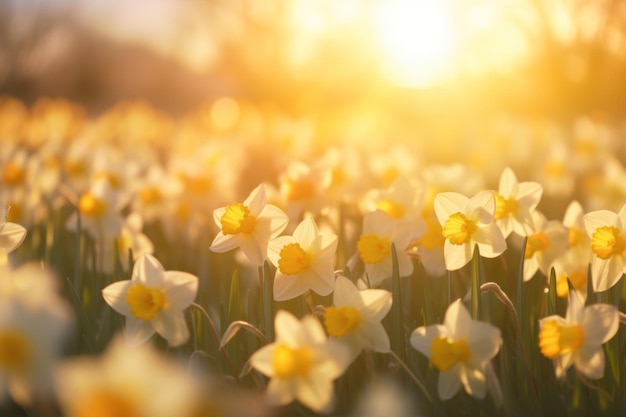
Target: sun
417	39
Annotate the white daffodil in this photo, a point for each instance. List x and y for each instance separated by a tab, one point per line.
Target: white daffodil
304	261
515	201
460	349
577	339
468	222
249	226
403	201
153	301
303	189
608	247
124	381
379	232
301	363
355	318
34	322
544	246
11	236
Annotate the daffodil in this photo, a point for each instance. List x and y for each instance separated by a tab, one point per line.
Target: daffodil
34	322
301	363
608	247
122	382
354	320
249	225
468	222
544	246
303	187
577	339
515	201
11	236
379	232
153	300
460	349
304	261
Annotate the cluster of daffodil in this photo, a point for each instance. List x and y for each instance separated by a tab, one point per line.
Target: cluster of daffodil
339	258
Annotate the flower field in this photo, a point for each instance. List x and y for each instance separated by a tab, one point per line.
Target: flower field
236	260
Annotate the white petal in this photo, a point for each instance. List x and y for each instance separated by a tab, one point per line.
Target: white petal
599	218
378	223
474	381
575	309
217	216
589	360
482	206
275	246
484	341
446	204
180	289
320	279
223	243
137	331
573	214
327	245
256	200
529	195
508	183
115	296
316	392
449	383
287	287
11	236
275	218
422	338
458	320
600	323
376	336
281	391
172	326
377	303
605	273
288	328
346	293
263	360
148	270
457	256
254	249
306	233
490	240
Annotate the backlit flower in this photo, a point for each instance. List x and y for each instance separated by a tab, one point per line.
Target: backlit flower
577	339
301	363
153	301
249	226
354	320
546	244
460	349
466	223
515	201
608	247
124	382
379	232
304	261
11	236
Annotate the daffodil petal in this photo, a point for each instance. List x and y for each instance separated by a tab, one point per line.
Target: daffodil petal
148	270
137	331
421	339
256	199
224	243
180	289
589	360
262	360
474	381
316	393
449	383
287	287
288	328
11	236
281	391
457	256
346	293
446	204
600	323
376	303
172	326
115	296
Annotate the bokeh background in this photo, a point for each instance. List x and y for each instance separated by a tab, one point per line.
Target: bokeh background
434	63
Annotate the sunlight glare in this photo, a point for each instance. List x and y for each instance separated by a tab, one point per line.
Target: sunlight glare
417	40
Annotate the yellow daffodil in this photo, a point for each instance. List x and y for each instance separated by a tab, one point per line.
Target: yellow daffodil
608	246
379	232
515	201
11	236
354	320
577	339
153	301
304	261
249	226
123	382
544	246
460	349
466	223
301	363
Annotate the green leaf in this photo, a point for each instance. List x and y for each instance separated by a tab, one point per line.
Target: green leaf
397	322
552	293
233	299
476	294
